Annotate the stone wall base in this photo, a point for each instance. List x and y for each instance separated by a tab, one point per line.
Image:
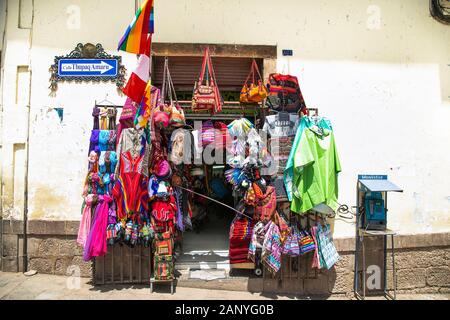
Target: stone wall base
422	261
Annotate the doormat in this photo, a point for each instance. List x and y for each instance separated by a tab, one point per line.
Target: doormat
207	274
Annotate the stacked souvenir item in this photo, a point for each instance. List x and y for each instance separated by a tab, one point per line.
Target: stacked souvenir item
98	208
166	202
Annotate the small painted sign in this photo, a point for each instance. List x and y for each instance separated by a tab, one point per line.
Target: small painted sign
87	67
287	52
372	176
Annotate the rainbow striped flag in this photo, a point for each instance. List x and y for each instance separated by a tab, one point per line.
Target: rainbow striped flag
136	38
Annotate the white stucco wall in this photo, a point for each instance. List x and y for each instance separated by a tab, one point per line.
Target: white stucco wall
378	69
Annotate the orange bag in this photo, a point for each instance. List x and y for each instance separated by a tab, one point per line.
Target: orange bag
256	91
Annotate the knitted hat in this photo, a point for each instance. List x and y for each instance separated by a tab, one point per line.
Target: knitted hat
162	169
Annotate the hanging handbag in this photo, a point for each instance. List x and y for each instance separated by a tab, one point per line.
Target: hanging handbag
328	253
256	91
164	247
206	95
306	242
175	114
284	93
177	118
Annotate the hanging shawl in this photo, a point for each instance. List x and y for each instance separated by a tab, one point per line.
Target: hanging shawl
266	204
291	245
96	241
93	162
272	248
103	138
131	195
93	146
90	201
179	216
257	240
95	114
112	141
316	263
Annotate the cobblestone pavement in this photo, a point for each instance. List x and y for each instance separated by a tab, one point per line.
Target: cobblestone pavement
16	286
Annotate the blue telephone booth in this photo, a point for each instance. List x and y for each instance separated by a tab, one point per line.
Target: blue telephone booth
371	221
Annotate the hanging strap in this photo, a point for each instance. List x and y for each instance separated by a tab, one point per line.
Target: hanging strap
171	88
205	61
253	68
163	89
216	87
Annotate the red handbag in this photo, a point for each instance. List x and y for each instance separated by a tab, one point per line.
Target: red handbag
284	93
206	96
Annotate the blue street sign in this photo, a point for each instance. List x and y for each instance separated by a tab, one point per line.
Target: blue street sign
87	67
287	52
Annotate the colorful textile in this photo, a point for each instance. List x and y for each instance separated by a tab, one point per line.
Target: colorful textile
291	245
240	235
150	100
240	127
90	201
207	133
135	141
93	146
266	204
96	245
131	164
305	122
316	262
257	240
328	253
316	169
179	216
137	37
164	210
306	242
163	267
271	253
131	195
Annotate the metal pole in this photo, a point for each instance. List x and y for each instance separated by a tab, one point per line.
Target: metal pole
394	275
363	267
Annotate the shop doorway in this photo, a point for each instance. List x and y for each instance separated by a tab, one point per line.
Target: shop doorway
206	245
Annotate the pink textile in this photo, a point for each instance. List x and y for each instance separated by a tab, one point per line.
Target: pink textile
96	245
85	223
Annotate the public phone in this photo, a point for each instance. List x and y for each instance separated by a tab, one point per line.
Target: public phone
375	211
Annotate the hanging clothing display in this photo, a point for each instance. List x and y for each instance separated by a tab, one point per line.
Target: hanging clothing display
305	122
316	167
140	174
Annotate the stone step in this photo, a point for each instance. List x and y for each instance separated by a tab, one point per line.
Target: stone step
203	259
232	283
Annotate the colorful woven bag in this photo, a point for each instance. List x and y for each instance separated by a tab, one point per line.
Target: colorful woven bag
206	95
306	242
163	267
328	253
255	91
